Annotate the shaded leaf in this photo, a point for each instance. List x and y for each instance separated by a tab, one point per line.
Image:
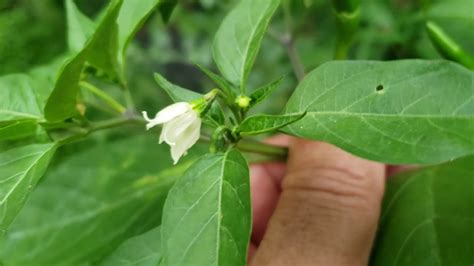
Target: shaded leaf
207	216
20	170
238	38
427	217
389	111
142	250
91	202
218	80
260	124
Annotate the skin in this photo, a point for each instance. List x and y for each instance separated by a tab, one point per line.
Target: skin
320	208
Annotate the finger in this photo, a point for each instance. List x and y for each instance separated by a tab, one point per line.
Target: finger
328	209
265	193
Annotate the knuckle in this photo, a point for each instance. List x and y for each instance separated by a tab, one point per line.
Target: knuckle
344	187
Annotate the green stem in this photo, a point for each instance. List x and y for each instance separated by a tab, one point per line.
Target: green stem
97	126
104	96
254	146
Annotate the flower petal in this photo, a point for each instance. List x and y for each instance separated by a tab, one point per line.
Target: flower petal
188	138
174	129
167	114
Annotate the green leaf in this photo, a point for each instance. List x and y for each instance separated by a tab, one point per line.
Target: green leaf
218	80
409	111
166	9
262	93
17	129
259	124
100	51
142	250
427	217
207	216
132	16
176	93
80	27
179	94
239	36
20	170
105	49
91	202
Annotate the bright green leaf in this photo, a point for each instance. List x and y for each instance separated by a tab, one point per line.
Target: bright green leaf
176	93
20	170
132	16
91	202
218	80
142	250
17	129
80	27
100	51
389	111
207	216
262	93
427	217
238	39
260	124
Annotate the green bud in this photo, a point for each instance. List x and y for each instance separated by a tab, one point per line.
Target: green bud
243	101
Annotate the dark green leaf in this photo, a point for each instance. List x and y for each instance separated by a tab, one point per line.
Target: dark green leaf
91	202
409	111
262	93
207	216
20	170
142	250
166	9
238	39
176	93
427	217
260	124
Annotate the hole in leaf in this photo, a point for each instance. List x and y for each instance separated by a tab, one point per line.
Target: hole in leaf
379	88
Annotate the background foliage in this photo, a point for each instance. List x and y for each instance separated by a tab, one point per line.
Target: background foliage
101	199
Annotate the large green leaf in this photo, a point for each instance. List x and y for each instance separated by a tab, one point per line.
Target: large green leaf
91	202
22	99
409	111
104	49
238	39
142	250
20	170
131	17
428	217
100	50
80	27
207	217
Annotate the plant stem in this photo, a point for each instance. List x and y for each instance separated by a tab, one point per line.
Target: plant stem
104	96
254	146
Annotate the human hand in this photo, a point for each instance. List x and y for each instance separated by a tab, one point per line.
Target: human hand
321	208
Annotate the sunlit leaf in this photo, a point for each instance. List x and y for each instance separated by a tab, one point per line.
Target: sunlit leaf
20	170
409	111
207	217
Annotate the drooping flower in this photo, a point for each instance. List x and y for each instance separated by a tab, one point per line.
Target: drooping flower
181	127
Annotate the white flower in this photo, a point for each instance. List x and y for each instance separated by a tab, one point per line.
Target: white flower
181	127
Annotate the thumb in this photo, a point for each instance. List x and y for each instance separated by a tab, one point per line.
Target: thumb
328	210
